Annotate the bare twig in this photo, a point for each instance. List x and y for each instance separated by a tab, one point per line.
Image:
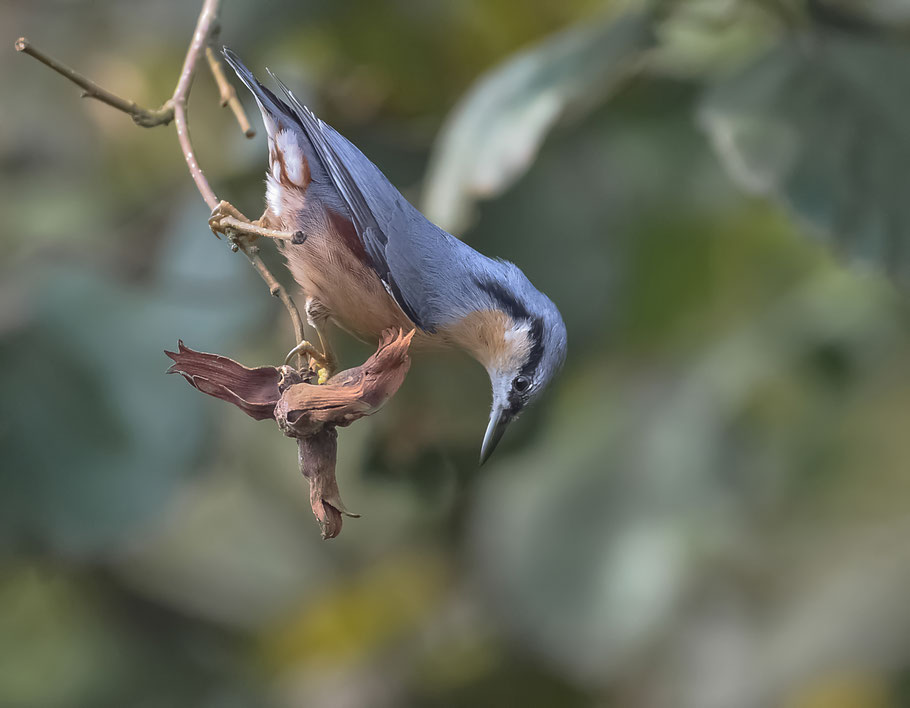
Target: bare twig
252	252
310	413
207	17
176	109
145	117
227	92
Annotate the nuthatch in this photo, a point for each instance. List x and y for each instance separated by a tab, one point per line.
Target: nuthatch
369	260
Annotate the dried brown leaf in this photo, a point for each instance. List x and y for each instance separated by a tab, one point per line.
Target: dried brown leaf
305	411
254	391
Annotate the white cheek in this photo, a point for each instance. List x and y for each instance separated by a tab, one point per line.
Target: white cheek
516	336
512	337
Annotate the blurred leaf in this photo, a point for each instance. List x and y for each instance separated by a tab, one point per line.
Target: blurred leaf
590	538
676	527
884	11
356	619
822	125
495	131
709	37
94	438
580	570
227	553
850	690
48	627
69	639
873	17
840	618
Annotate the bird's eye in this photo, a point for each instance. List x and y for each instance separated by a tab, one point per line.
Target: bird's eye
521	384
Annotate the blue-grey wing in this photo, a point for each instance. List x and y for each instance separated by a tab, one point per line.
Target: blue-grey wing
404	248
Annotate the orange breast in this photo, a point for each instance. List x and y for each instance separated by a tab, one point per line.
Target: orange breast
332	267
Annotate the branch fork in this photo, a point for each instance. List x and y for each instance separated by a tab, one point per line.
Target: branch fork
308	412
225	219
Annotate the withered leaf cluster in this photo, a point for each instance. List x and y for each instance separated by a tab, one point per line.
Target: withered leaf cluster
305	411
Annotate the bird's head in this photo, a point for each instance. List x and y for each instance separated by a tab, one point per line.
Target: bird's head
521	340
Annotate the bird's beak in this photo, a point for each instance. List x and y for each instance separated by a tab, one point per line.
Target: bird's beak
499	421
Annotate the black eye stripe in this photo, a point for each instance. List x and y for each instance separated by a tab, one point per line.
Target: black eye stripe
517	399
536	353
519	314
509	304
515	402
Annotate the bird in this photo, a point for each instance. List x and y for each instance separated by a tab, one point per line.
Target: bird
367	260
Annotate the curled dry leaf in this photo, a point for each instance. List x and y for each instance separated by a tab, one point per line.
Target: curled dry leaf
316	456
254	391
305	411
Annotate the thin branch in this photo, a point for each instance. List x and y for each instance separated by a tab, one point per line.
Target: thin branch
176	109
252	252
227	92
147	118
207	17
206	24
278	290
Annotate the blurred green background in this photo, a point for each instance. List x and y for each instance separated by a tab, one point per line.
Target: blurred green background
711	509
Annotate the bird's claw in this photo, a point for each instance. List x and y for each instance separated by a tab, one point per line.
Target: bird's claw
321	364
226	210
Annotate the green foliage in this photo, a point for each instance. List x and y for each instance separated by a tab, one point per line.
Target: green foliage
708	510
818	123
84	375
493	135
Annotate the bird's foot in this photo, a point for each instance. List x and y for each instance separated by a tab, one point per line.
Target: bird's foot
228	220
223	218
323	365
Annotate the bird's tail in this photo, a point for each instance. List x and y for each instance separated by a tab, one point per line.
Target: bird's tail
273	108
